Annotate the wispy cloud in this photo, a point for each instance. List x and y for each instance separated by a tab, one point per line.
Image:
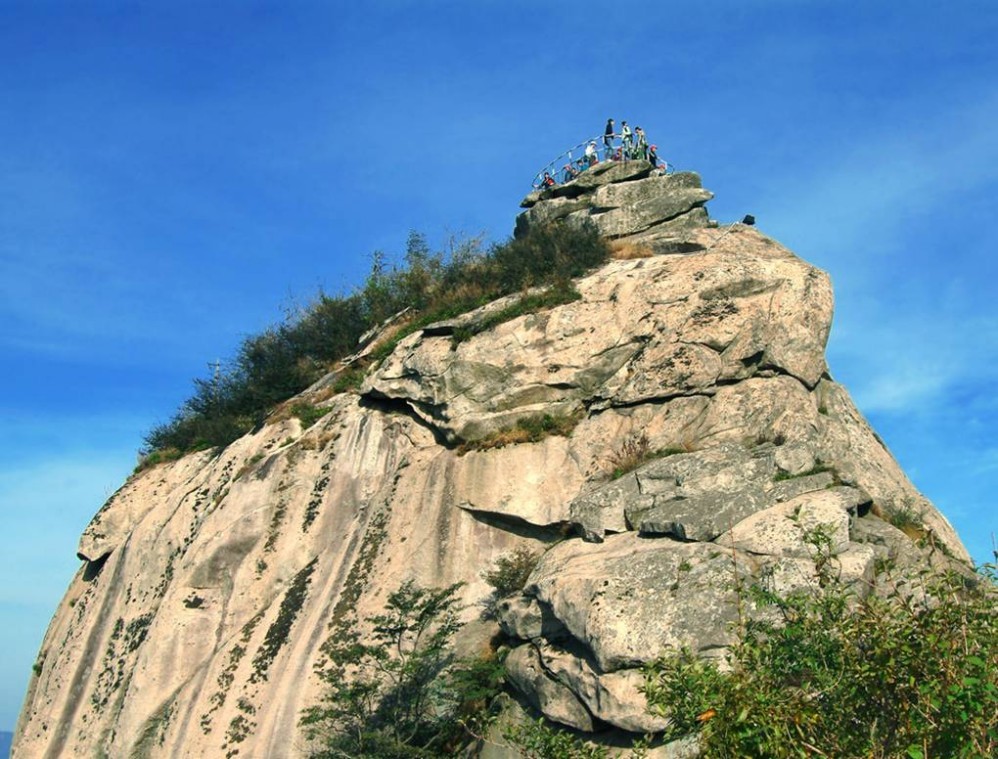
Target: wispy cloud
861	197
912	361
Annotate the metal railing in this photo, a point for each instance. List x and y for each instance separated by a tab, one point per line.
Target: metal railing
578	158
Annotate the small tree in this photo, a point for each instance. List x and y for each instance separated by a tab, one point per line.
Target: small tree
387	698
507	576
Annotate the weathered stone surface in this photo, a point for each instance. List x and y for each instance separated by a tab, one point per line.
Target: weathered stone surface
557	702
526	618
696	495
699	495
785	490
628	598
605	173
615	697
783	530
551	210
644	330
546	478
621	199
531	199
858	454
794	460
645	212
677	235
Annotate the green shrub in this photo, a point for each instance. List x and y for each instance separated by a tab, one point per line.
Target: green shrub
537	740
349	379
309	414
285	359
159	456
390	695
507	577
548	254
844	676
510	572
906	517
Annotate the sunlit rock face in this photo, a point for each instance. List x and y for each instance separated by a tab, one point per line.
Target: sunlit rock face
625	200
708	441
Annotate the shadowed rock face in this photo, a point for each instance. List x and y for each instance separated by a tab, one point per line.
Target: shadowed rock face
209	585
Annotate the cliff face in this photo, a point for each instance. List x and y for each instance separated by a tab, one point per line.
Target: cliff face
210	584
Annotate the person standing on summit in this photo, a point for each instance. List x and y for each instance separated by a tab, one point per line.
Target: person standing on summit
608	139
641	149
625	139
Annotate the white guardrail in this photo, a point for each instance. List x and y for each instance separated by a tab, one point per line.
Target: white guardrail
572	162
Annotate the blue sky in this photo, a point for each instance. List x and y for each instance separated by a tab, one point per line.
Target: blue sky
176	175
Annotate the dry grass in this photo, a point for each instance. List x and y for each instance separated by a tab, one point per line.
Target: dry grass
527	430
624	250
632	453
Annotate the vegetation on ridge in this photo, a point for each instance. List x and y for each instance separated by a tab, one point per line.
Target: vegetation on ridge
285	359
833	673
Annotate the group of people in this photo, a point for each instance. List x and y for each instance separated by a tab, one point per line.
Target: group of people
633	145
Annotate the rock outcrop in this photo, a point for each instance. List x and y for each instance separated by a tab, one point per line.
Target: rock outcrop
709	442
627	199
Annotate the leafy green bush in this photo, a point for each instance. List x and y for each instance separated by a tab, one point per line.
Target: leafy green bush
548	254
285	359
507	577
160	456
847	677
390	697
348	379
309	414
907	518
536	740
510	572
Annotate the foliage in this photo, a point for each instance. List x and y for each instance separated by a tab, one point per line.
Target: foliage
632	453
398	695
530	429
907	518
309	414
535	740
285	359
160	456
507	577
510	572
818	468
838	675
348	379
551	253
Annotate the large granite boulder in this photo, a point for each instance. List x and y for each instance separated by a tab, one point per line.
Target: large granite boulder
644	331
622	199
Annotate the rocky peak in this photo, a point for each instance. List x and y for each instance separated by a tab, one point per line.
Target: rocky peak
625	199
694	433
